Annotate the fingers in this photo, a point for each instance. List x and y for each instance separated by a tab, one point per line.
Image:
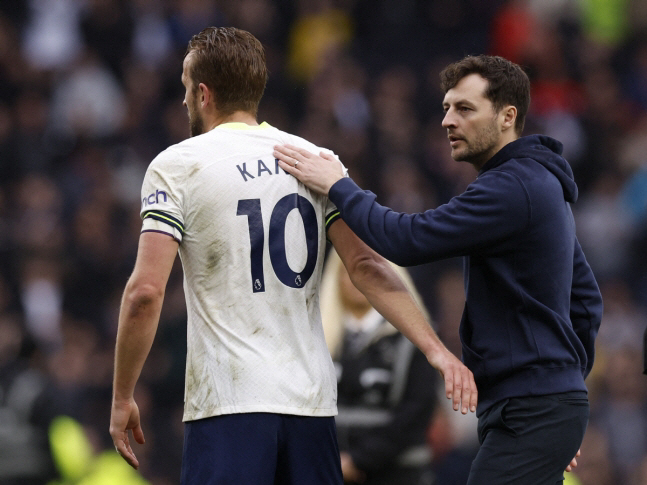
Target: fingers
449	386
573	462
123	448
291	154
286	162
317	173
138	434
467	391
124	417
328	157
473	397
295	151
461	388
458	390
291	169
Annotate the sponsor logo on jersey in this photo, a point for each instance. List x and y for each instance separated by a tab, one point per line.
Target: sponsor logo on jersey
154	198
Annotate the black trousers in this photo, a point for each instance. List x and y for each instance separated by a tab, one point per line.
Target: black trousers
529	440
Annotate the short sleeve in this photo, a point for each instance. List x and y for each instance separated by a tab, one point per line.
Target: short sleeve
332	213
163	194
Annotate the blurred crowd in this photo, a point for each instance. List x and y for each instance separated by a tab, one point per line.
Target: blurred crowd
90	92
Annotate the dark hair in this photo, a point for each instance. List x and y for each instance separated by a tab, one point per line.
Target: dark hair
231	63
508	84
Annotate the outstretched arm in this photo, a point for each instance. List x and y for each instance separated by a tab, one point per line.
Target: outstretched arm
138	318
384	289
495	207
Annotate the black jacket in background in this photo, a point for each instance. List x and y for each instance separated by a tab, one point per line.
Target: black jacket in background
386	395
533	307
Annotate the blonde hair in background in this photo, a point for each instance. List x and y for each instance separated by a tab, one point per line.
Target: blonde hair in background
332	310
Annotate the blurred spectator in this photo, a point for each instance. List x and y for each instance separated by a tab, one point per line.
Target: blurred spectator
636	75
38	217
88	102
622	413
189	16
605	21
42	301
152	42
513	28
319	29
52	37
393	104
386	390
107	28
32	150
624	319
27	406
403	187
598	211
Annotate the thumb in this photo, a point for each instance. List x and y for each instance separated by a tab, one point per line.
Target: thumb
138	434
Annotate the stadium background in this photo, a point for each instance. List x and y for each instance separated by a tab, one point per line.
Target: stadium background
90	92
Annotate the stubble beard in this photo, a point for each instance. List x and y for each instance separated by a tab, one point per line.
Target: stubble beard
196	123
481	148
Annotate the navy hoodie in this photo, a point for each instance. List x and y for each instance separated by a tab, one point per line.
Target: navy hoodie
533	307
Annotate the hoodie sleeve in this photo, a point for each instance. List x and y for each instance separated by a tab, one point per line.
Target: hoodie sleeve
490	211
586	305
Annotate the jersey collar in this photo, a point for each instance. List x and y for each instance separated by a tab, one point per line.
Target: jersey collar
236	125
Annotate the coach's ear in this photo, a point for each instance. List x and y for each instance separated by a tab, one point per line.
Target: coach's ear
508	117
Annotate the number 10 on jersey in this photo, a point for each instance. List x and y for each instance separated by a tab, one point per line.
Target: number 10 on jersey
278	257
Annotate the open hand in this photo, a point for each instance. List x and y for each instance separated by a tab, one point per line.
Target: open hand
459	380
124	416
317	172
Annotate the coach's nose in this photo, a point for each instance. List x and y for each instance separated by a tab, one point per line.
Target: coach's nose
449	121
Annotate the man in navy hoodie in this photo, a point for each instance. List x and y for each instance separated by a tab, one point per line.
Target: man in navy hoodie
533	307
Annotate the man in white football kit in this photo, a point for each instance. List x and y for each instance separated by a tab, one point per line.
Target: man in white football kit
255	342
260	385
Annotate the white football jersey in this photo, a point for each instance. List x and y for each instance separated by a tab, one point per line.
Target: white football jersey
252	242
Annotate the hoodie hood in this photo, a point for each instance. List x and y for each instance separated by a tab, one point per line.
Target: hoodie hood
544	150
